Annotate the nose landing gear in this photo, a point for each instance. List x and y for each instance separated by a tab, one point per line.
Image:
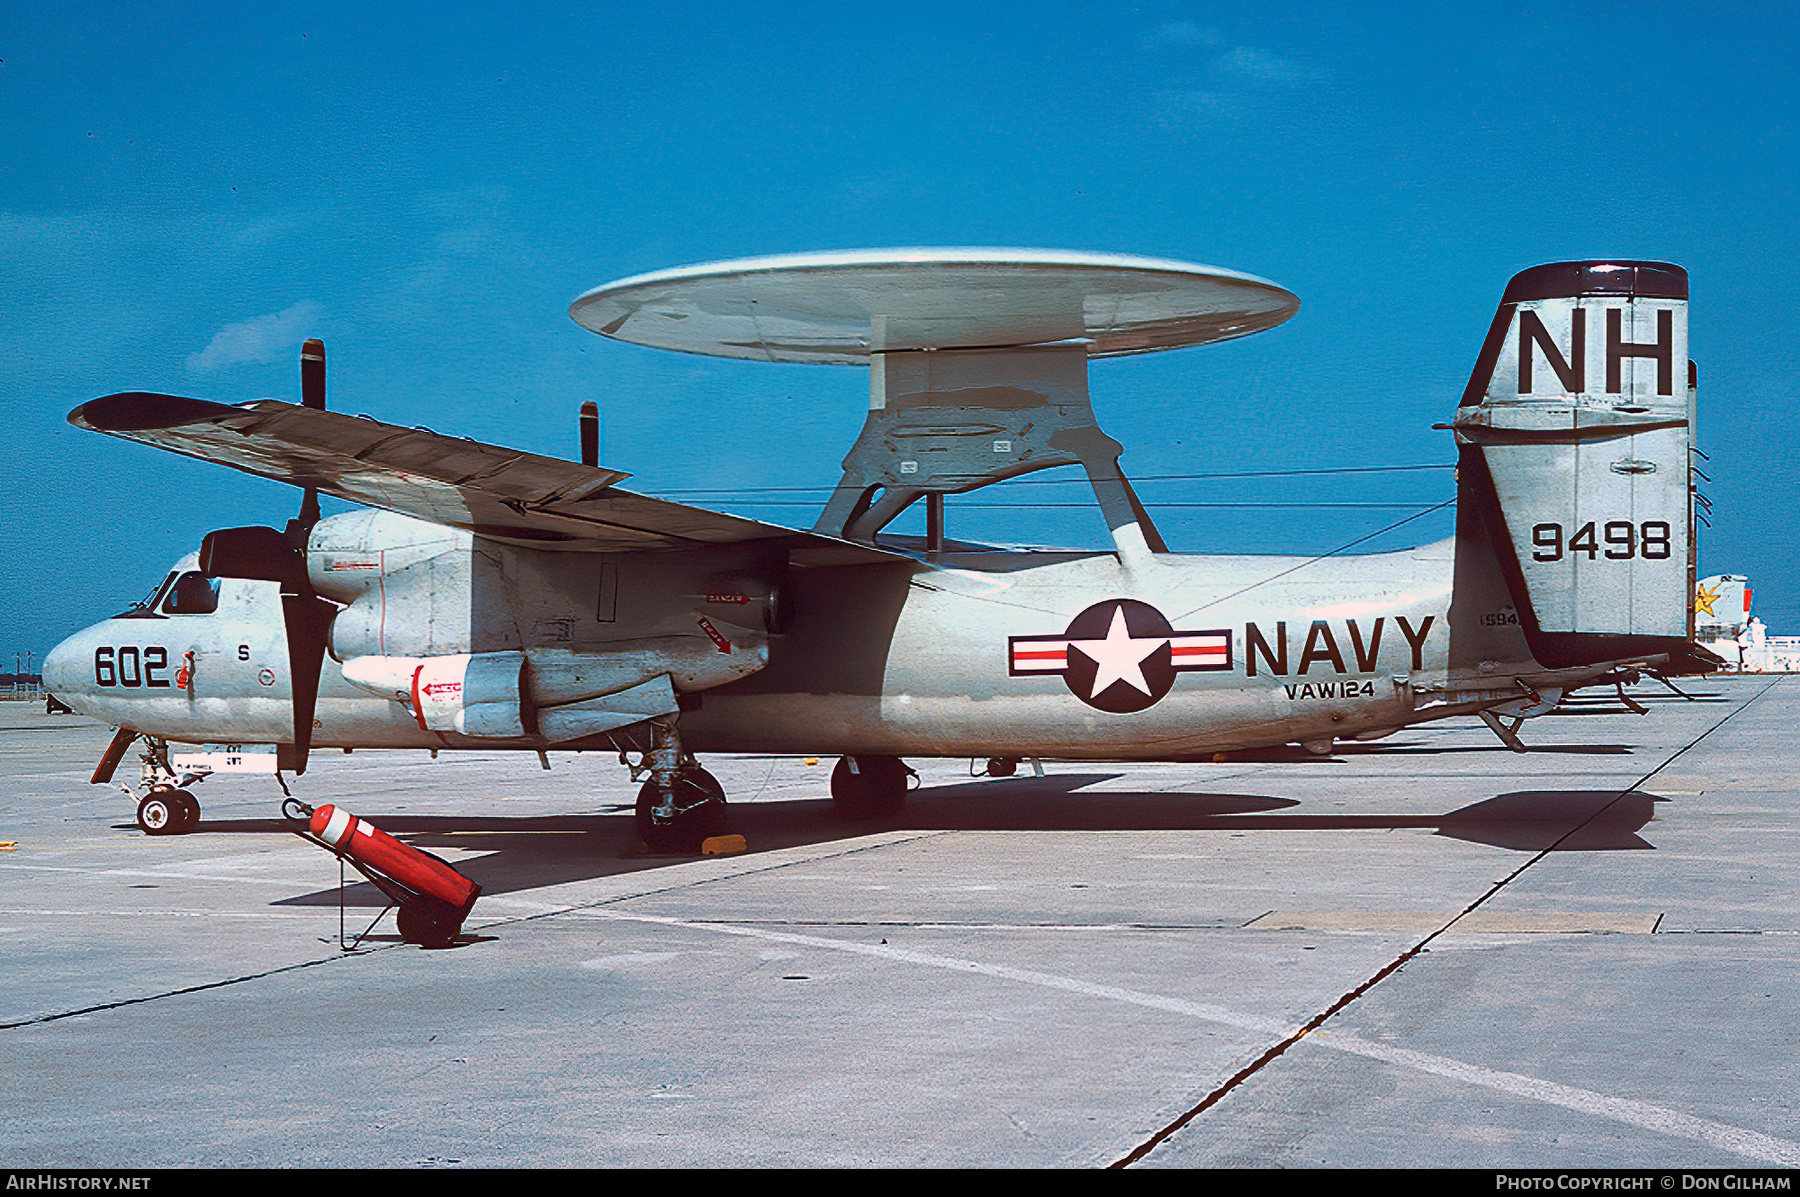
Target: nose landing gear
168	811
166	808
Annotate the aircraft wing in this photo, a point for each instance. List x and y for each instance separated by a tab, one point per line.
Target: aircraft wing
499	493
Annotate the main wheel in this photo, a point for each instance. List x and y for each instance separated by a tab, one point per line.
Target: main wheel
428	922
699	814
159	813
869	787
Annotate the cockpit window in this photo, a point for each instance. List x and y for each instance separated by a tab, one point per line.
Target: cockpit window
145	608
192	594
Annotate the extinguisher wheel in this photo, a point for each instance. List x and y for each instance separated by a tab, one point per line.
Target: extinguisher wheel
428	922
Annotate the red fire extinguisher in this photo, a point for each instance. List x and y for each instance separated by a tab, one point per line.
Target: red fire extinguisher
440	897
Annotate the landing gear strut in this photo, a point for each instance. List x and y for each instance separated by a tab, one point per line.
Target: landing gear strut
166	808
682	805
870	787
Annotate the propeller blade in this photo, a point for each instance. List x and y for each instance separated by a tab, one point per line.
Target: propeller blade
312	394
590	434
312	374
266	555
308	620
260	554
307	616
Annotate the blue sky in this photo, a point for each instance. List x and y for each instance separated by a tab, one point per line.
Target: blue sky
188	191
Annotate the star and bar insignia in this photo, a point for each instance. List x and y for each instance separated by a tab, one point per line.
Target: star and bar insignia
1120	655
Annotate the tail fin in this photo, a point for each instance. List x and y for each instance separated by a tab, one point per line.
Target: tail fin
1573	445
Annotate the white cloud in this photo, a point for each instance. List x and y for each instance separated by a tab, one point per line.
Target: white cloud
263	339
1247	64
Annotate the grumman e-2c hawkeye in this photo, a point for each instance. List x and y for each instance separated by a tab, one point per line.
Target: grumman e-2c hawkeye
495	599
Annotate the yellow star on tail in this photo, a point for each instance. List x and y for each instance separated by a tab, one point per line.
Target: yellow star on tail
1704	600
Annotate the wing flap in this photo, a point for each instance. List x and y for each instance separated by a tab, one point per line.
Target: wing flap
500	493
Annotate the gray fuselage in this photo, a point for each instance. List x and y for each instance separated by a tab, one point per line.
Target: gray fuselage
953	655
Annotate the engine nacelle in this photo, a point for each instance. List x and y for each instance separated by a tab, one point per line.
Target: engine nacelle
473	694
553	693
409	586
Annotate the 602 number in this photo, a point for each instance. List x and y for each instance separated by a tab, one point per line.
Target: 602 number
1617	540
130	666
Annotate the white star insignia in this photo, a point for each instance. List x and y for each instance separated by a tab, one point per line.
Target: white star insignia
1119	657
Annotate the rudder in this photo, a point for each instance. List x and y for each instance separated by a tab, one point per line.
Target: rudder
1573	438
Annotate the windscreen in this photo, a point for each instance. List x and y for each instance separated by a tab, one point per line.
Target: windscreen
145	608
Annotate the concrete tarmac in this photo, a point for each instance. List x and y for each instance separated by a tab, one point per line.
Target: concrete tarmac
1582	956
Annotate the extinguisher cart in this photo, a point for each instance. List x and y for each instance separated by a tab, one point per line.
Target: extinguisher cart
433	898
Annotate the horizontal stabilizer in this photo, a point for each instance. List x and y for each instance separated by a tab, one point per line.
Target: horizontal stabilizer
499	493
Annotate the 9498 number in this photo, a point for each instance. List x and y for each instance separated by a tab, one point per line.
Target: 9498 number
1617	540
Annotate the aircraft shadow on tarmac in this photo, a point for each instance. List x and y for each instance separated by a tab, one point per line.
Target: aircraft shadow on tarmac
1414	748
1604	705
534	852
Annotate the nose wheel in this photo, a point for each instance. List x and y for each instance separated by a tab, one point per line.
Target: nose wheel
168	811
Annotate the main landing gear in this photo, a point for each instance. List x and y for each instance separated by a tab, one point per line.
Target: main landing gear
870	787
696	813
682	806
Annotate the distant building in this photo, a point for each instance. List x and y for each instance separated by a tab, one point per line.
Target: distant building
1723	623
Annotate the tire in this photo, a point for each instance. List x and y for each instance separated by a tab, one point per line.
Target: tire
159	813
428	922
700	814
875	788
189	808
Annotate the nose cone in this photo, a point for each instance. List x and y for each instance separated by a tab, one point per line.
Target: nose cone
69	668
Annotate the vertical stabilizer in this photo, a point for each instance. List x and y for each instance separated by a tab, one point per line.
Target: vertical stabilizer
1573	444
